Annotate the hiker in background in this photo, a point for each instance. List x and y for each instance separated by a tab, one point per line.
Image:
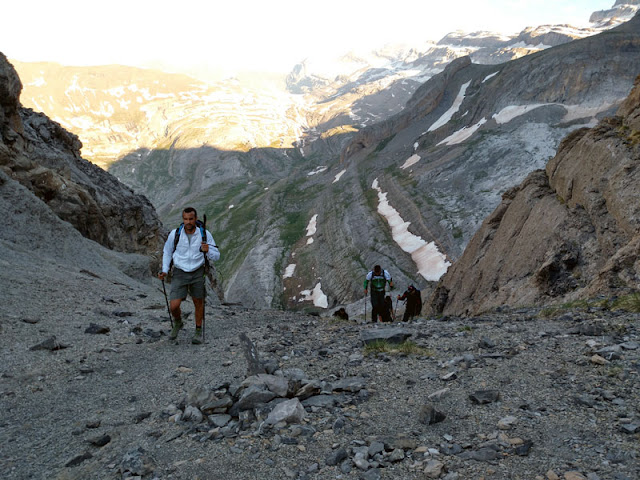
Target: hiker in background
188	256
387	312
378	278
413	303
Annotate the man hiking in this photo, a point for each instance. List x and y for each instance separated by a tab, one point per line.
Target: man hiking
413	303
188	259
378	278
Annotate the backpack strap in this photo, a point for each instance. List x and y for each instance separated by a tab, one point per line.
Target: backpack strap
176	237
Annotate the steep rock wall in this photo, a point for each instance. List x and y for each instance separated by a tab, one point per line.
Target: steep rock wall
569	232
45	158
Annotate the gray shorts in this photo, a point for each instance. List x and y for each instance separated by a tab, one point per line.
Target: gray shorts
191	283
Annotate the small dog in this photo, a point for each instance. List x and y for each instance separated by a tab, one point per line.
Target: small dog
341	313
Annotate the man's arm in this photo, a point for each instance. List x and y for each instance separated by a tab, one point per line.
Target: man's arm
212	252
167	255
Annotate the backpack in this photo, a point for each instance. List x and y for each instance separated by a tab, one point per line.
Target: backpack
203	232
378	281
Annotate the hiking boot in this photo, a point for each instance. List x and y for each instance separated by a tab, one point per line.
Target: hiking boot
197	337
177	326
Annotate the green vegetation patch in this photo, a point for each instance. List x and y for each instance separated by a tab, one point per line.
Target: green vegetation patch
627	303
384	143
294	227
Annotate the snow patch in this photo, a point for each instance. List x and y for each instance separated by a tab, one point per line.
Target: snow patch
454	108
512	111
317	170
288	272
412	160
430	262
316	295
339	175
490	76
574	112
527	46
462	134
311	227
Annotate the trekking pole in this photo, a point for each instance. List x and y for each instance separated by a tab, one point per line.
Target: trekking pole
166	299
395	311
204	300
365	308
204	303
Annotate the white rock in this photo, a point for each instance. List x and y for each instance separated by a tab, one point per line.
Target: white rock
289	411
507	423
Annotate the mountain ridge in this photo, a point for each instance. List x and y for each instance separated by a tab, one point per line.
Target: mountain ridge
276	192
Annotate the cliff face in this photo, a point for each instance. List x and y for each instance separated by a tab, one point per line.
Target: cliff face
569	232
45	158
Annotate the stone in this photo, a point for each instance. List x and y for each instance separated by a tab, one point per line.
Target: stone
51	344
372	474
337	456
97	329
78	459
137	462
217	405
192	414
200	396
351	384
100	440
551	475
323	401
437	395
630	428
574	476
360	461
429	415
487	343
295	374
141	416
484	454
523	449
434	469
507	423
598	360
254	366
289	411
308	390
277	384
485	396
219	420
254	396
375	448
397	455
390	335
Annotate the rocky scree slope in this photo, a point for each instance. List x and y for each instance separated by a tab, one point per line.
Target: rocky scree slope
105	395
91	387
45	158
571	231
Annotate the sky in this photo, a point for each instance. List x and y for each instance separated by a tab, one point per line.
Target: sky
252	35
